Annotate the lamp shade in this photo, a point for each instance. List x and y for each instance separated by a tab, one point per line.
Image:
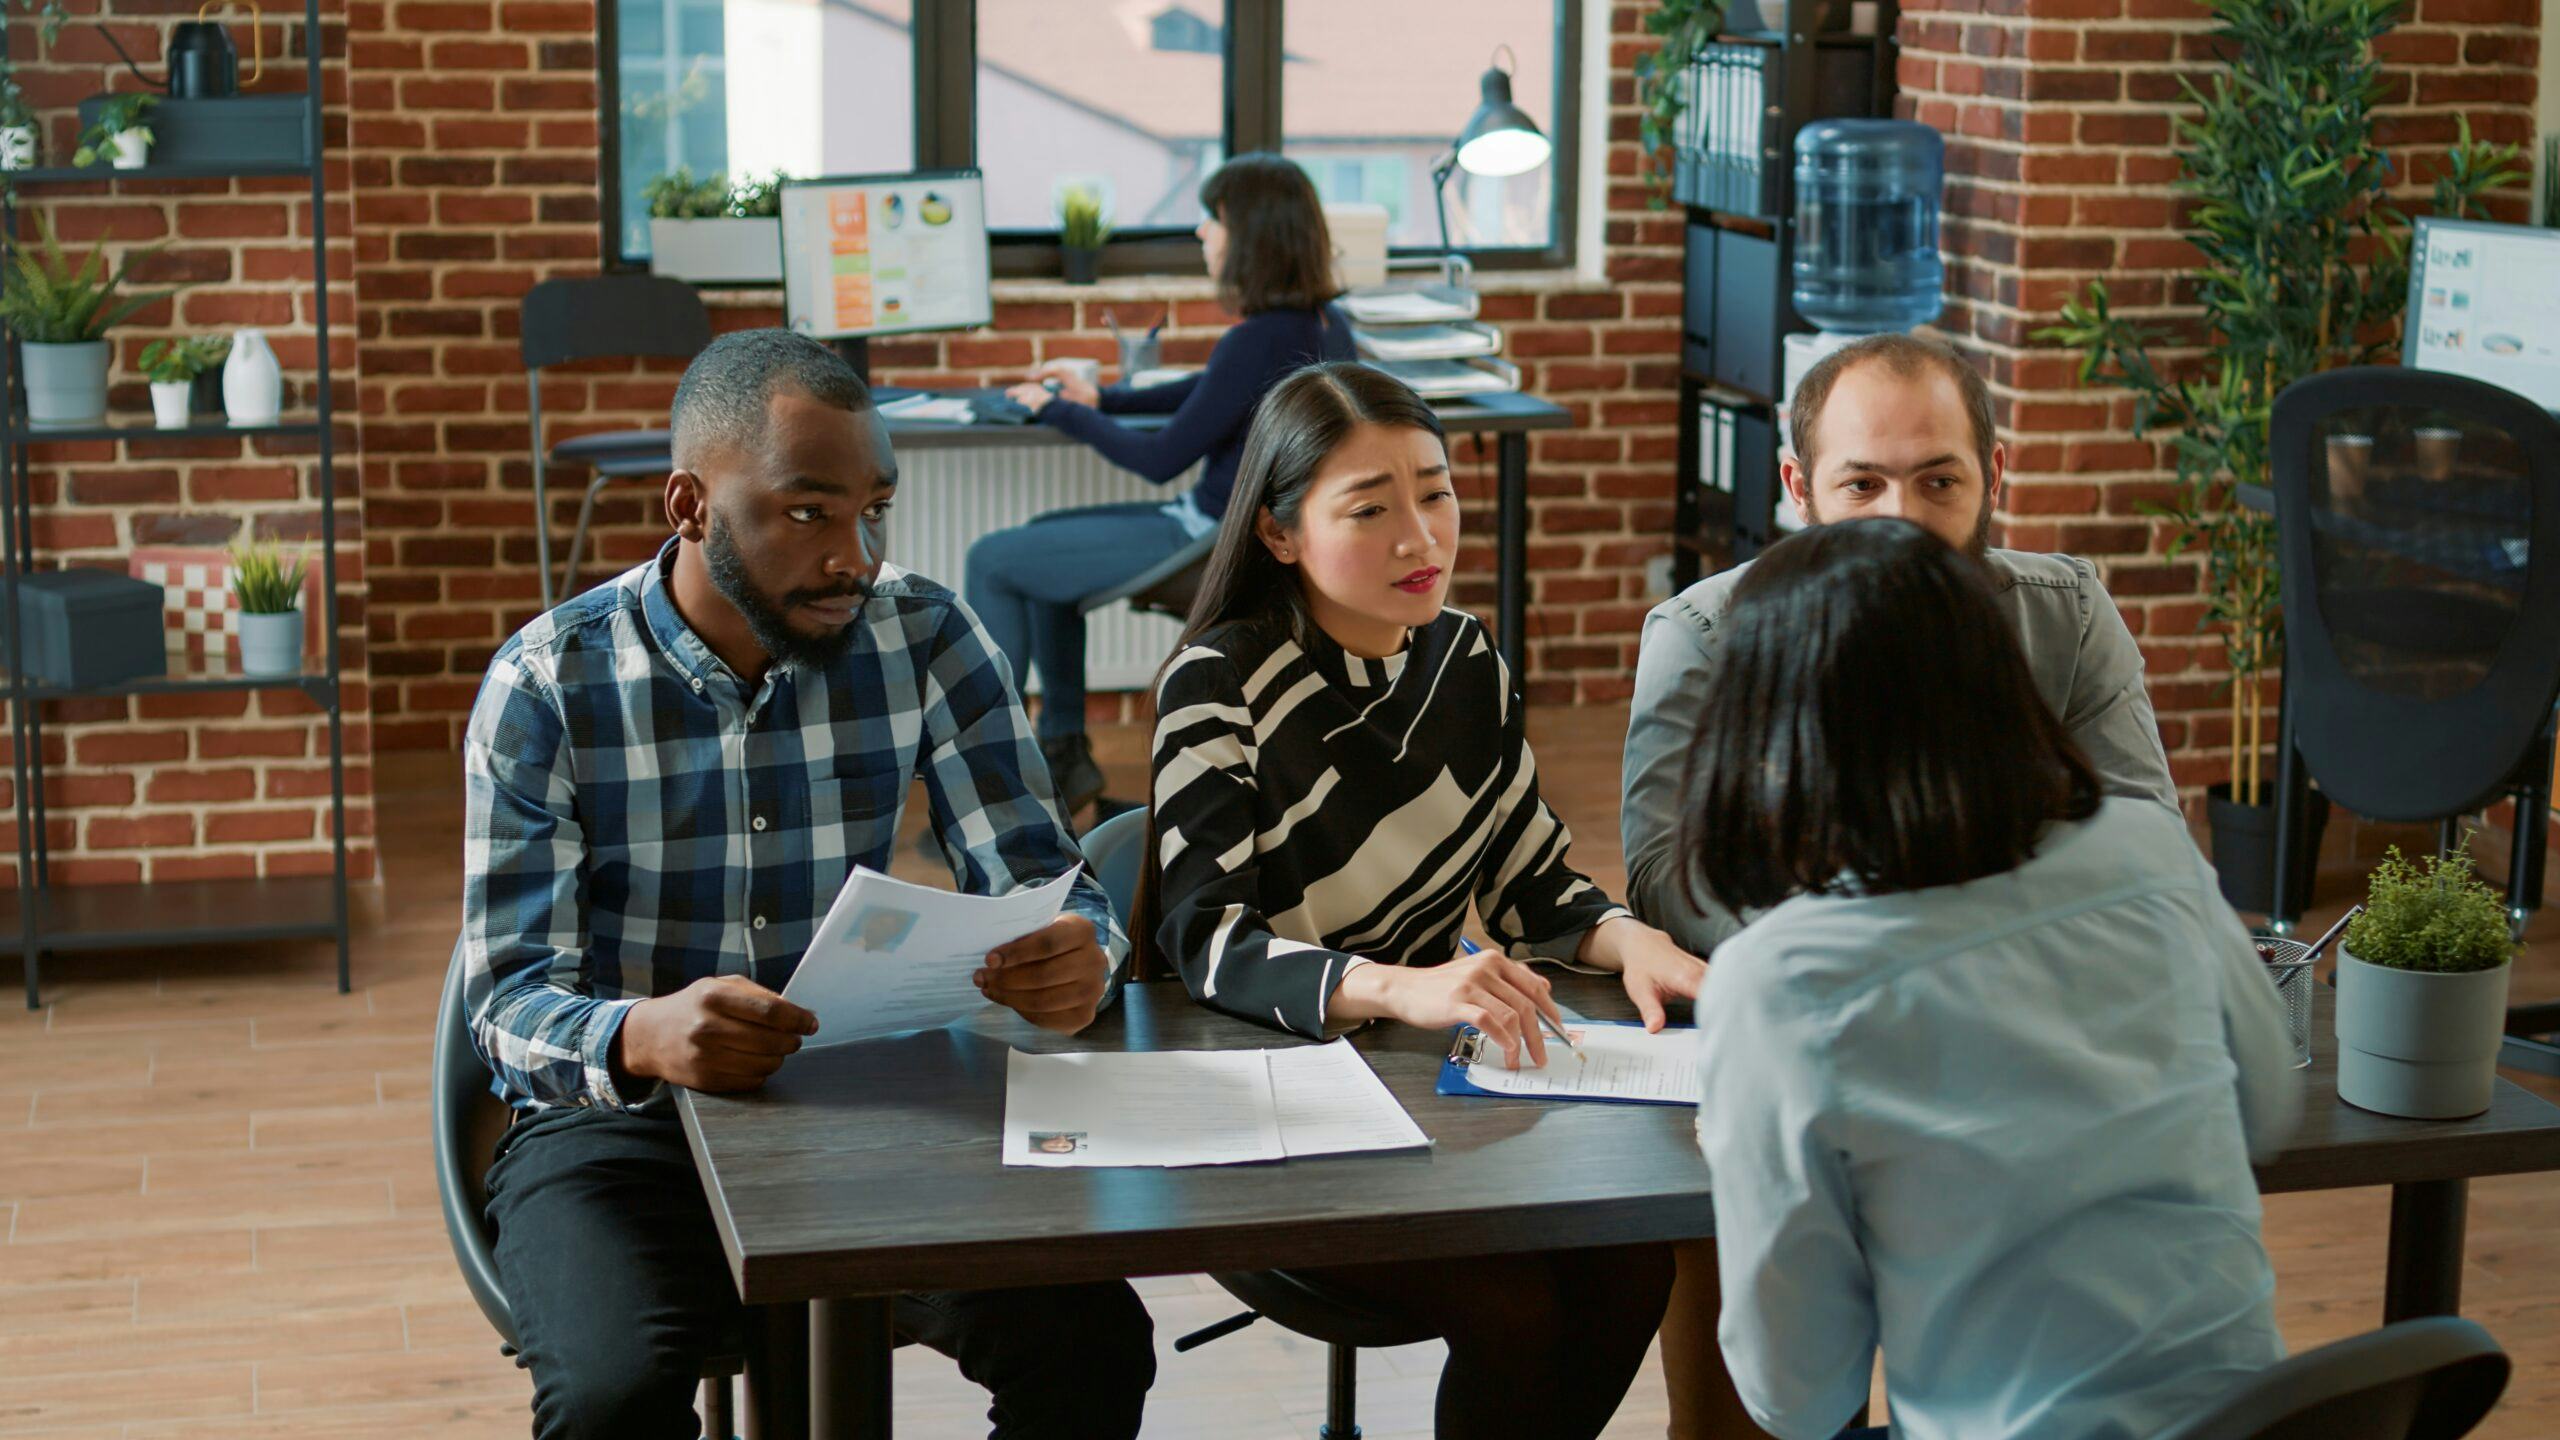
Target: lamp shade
1500	138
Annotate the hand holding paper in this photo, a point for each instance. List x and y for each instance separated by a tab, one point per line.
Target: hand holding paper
891	956
1053	977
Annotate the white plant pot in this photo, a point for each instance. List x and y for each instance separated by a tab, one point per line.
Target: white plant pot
169	403
17	147
716	252
270	644
2416	1043
67	384
132	150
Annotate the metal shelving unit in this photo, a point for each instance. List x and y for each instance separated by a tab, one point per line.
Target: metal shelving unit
38	918
1736	281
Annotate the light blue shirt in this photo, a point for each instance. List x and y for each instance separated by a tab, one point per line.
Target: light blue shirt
2001	1131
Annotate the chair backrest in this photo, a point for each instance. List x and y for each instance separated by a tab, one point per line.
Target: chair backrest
2418	520
2427	1379
611	316
1113	849
468	1120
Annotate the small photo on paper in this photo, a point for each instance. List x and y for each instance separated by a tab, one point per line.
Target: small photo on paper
1057	1142
881	929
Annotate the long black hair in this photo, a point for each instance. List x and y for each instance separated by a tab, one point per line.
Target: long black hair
1300	424
1870	723
1279	250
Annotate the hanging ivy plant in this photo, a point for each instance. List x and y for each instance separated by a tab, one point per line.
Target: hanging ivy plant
1685	27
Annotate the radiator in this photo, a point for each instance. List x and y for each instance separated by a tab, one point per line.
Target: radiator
948	498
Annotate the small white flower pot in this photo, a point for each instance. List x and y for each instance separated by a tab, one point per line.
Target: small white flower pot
2416	1043
17	147
270	644
132	149
169	403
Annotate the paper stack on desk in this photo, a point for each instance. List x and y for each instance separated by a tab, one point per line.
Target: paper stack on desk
1198	1107
891	956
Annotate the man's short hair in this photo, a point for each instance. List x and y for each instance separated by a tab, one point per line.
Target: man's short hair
728	389
1904	355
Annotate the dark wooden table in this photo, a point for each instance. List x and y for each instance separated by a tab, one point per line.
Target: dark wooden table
1508	418
864	1171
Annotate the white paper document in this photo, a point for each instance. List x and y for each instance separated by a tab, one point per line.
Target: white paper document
1618	1062
891	956
946	409
1198	1107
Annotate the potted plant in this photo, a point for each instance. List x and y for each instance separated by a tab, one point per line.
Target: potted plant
2305	268
118	132
17	125
1081	233
1685	27
711	233
2422	991
266	596
172	366
61	313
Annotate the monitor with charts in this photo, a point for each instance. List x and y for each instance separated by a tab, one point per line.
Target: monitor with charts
885	254
2484	301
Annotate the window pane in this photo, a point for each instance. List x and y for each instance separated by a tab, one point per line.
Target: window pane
1372	93
851	67
1128	98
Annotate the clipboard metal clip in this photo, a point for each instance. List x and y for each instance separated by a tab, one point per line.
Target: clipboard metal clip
1468	1048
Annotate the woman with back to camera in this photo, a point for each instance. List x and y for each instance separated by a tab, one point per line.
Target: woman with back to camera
1265	242
1341	771
1982	1089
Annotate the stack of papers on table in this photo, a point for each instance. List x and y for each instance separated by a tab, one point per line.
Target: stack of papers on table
1198	1107
943	409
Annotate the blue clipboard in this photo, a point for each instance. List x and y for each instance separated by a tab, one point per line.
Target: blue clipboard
1465	1047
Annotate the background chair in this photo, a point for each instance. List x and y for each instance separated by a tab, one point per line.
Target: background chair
605	317
2418	526
468	1120
1166	588
2431	1379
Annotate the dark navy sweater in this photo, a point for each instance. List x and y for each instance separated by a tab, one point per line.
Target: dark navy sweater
1211	410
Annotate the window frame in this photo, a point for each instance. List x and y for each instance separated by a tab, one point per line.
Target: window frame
945	55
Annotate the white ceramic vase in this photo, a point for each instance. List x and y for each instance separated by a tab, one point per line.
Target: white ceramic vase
252	383
17	147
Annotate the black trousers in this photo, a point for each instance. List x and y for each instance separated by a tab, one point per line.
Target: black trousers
613	1268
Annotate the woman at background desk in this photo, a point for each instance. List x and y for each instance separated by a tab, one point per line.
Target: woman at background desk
1266	244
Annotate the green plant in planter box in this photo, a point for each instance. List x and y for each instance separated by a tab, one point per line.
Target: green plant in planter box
120	115
676	195
2434	915
262	583
50	301
758	199
1080	222
171	362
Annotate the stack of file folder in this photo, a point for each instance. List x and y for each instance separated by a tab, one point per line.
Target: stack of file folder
1725	97
1423	330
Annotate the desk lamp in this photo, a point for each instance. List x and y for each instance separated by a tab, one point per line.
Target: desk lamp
1500	139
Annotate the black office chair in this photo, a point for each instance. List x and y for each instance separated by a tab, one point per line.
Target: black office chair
469	1120
2431	1379
603	317
1165	588
2418	526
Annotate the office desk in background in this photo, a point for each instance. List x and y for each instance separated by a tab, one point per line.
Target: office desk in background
1508	418
862	1172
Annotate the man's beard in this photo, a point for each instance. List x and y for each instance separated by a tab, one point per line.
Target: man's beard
1976	545
770	622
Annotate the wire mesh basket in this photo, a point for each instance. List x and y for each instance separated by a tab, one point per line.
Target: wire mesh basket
2289	967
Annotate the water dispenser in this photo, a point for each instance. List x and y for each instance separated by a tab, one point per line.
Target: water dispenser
1866	256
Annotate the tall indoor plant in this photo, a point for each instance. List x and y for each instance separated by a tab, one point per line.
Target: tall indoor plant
2304	267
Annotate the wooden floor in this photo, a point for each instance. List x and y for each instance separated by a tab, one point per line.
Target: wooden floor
221	1220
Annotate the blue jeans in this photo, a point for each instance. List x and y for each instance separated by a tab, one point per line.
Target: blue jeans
1024	584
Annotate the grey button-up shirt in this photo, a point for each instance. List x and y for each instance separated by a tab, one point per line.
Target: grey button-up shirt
2085	663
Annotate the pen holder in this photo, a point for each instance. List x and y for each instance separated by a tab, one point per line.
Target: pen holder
2290	972
1139	353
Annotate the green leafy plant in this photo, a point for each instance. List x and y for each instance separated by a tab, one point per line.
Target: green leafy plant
171	362
50	301
50	15
758	199
262	583
117	115
13	101
676	195
1685	27
2288	192
2434	915
1080	222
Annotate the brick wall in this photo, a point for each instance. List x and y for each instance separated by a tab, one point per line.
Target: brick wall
2058	116
213	785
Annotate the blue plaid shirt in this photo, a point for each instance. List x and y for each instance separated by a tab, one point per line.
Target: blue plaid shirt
639	818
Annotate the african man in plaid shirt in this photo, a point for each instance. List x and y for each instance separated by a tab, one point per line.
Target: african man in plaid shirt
669	778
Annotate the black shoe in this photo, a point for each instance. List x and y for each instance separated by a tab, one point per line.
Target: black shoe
1072	771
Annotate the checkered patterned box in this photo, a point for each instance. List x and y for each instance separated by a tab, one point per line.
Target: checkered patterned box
197	612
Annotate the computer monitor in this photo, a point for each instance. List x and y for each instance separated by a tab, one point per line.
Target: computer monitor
866	255
2484	301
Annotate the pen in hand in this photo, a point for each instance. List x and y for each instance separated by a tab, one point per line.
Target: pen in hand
1469	947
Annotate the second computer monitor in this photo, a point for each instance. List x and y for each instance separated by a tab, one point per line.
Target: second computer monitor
885	254
2484	301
